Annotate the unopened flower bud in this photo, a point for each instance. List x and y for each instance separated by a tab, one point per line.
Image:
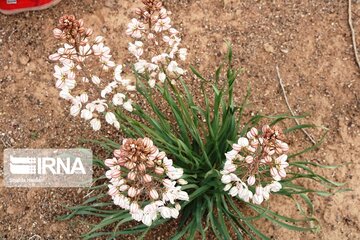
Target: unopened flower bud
131	175
134	207
57	33
154	194
81	22
138	11
243	142
182	181
254	132
249	159
123	188
54	57
115	173
117	153
251	149
129	165
112	190
161	155
111	162
89	32
150	163
251	180
167	183
149	143
268	159
99	39
236	147
147	178
132	192
159	4
159	170
141	167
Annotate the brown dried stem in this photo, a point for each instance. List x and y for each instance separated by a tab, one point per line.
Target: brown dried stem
289	107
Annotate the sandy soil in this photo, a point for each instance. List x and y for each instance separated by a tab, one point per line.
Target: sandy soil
309	40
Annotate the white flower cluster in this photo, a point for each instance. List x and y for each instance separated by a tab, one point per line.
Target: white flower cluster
79	76
252	158
144	181
157	44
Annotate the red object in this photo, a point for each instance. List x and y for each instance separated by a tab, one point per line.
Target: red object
16	6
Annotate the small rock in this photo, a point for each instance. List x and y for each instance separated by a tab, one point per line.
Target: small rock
284	50
109	3
11	210
269	48
10	53
24	59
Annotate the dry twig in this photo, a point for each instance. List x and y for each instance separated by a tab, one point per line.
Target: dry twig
353	35
288	105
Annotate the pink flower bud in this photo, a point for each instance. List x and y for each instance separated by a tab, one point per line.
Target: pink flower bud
115	173
138	11
112	190
154	194
269	151
230	167
249	159
117	153
259	190
274	171
129	165
150	163
89	32
268	159
57	33
278	150
243	142
134	207
123	188
251	149
236	147
159	170
265	128
282	173
251	180
161	155
111	162
159	4
141	167
98	39
147	178
132	192
131	175
167	183
81	22
254	132
54	57
284	146
148	143
163	15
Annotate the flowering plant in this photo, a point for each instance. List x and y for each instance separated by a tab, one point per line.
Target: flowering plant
222	168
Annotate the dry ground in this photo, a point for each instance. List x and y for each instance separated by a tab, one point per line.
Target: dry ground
309	40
